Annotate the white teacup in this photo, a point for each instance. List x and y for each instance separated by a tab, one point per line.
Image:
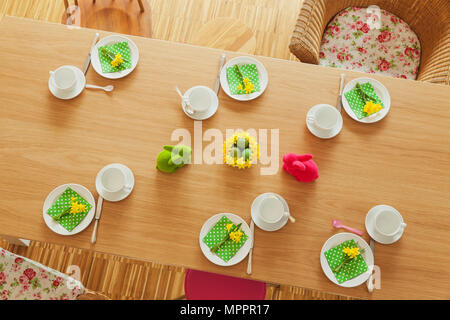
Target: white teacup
271	210
325	118
64	79
389	222
199	100
114	180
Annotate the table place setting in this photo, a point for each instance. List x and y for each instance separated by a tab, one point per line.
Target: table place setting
70	208
113	57
347	260
365	100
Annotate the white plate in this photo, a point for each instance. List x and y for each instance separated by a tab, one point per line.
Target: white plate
114	196
95	61
370	226
263	225
380	90
79	86
204	115
243	251
262	74
316	131
53	196
336	240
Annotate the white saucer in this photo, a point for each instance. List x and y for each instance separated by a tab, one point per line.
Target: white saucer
53	196
370	226
262	75
336	240
206	114
243	251
316	131
380	90
79	86
95	61
259	222
116	196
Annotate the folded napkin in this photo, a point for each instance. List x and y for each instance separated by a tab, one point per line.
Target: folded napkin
356	101
350	270
69	220
217	234
105	61
234	78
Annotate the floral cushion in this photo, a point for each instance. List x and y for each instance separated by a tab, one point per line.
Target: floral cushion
392	49
24	279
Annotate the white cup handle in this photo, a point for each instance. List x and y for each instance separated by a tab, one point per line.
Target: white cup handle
403	225
127	188
188	107
286	214
310	119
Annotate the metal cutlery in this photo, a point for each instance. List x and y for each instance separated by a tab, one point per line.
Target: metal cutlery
369	283
88	59
250	254
98	213
341	88
222	62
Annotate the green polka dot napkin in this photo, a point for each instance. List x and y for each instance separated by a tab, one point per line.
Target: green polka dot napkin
234	78
69	220
120	47
217	234
356	101
350	270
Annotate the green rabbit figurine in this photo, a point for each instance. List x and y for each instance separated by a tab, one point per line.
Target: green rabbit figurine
172	158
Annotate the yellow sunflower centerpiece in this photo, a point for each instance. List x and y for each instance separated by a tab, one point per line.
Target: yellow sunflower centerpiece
240	150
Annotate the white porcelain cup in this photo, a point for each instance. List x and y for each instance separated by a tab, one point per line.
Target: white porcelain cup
389	222
325	118
198	100
114	180
271	210
64	79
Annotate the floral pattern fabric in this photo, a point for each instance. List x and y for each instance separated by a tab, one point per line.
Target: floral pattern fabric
24	279
350	43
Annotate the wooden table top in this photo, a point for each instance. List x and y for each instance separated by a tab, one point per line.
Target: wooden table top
402	161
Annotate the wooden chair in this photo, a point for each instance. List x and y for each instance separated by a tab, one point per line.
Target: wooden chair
22	278
119	16
429	19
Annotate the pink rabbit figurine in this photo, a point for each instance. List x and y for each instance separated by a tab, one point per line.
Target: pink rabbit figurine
301	166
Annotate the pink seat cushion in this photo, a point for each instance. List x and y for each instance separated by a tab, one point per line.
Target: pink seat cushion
200	285
391	48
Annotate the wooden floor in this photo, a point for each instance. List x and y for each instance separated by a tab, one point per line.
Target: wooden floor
272	21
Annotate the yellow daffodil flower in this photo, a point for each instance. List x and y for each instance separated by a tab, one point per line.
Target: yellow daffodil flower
246	80
117	61
239	87
370	107
229	226
249	87
351	252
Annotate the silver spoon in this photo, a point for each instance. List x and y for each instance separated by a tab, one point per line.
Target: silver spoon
106	88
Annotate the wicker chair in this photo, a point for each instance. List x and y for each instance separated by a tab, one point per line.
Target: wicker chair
429	19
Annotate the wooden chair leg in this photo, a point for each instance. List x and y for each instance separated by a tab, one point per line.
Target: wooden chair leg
66	4
76	3
141	5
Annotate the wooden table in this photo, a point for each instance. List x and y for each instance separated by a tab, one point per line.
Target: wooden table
403	161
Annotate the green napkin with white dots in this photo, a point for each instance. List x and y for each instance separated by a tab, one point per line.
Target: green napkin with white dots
356	101
120	47
69	220
217	234
234	78
351	269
